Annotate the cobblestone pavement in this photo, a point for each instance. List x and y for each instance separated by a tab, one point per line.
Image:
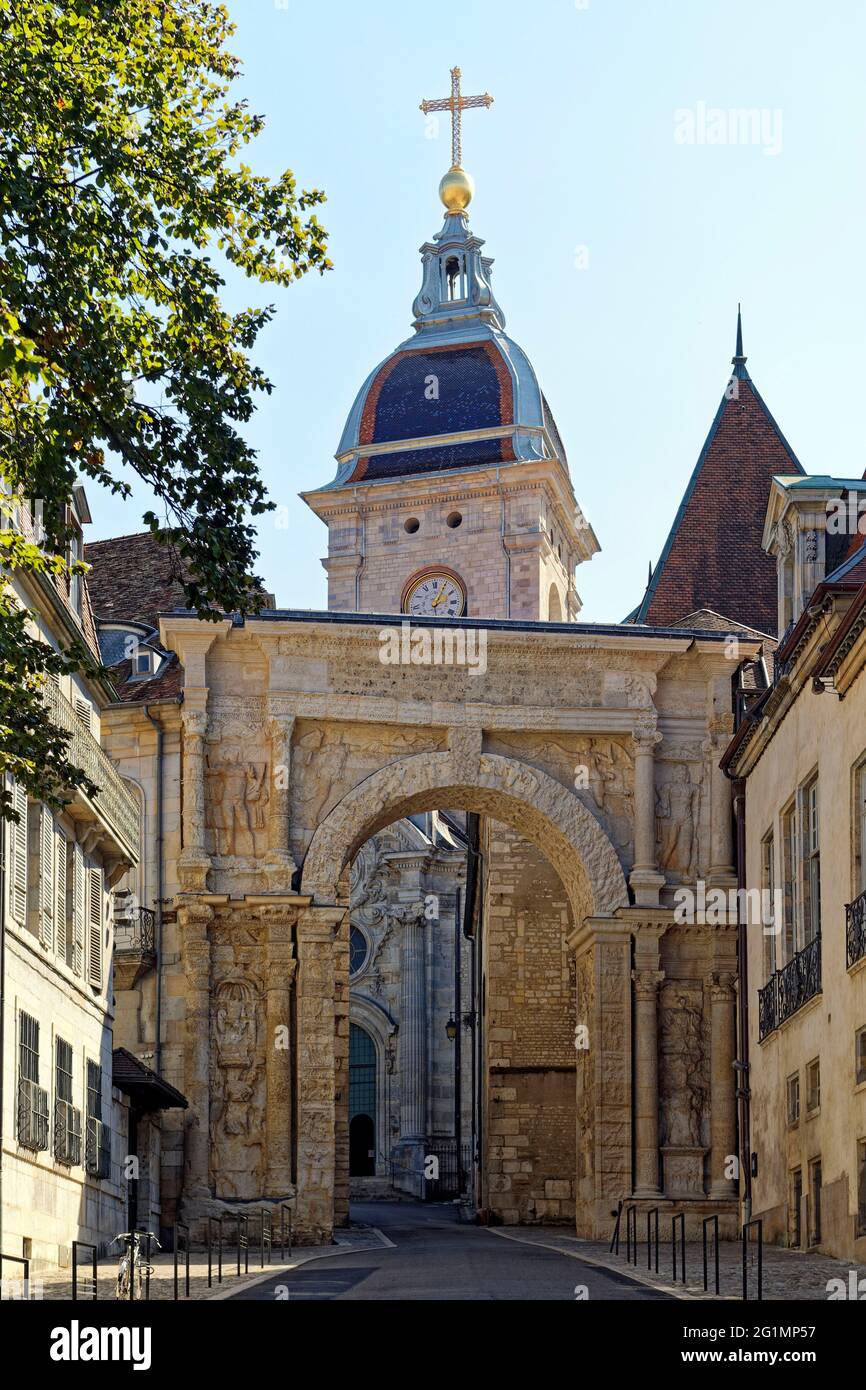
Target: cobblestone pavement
57	1285
788	1275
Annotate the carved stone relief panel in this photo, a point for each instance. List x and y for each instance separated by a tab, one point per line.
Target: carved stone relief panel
237	1083
598	768
684	1086
238	791
679	806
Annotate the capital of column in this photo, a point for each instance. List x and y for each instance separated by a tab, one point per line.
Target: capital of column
646	984
645	735
722	986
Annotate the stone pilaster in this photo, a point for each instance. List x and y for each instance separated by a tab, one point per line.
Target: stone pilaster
723	1106
281	967
193	922
280	865
194	861
316	931
645	880
647	978
602	947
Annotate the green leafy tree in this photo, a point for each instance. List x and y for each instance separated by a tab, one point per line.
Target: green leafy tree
121	179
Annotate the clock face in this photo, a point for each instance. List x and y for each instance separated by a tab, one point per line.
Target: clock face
435	595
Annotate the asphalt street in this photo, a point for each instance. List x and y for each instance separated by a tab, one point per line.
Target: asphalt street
435	1257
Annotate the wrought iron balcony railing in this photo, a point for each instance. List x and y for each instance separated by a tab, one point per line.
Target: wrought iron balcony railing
134	931
855	929
32	1115
790	988
112	804
67	1133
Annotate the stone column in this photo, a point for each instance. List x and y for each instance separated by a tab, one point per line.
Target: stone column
413	1024
193	921
647	978
645	880
314	1213
723	1105
194	860
278	1061
280	865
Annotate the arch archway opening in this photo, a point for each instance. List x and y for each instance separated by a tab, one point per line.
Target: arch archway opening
464	890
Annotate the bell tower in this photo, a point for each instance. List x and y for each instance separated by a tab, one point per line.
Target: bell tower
453	496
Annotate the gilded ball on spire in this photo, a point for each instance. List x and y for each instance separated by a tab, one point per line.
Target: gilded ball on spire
456	189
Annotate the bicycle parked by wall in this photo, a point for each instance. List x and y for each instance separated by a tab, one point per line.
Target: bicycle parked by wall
132	1269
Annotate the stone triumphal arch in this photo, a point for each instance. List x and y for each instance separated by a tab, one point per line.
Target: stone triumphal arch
591	755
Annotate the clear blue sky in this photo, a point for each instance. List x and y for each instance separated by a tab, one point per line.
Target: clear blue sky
579	150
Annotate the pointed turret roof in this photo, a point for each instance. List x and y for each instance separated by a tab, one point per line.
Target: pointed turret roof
713	557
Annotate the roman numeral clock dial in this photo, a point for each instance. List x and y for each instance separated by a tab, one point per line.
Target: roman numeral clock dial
434	594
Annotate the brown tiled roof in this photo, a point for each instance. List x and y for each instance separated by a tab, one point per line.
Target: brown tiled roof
166	686
713	558
134	578
705	620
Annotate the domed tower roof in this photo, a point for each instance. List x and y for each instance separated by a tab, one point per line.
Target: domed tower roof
459	393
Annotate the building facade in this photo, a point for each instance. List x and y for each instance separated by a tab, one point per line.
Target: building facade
800	757
65	1125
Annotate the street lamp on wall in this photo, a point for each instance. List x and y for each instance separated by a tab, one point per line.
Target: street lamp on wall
451	1029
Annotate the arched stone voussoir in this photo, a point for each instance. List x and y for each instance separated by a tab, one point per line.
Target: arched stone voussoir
522	796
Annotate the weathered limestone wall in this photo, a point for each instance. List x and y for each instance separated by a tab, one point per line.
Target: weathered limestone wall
529	1033
296	744
505	548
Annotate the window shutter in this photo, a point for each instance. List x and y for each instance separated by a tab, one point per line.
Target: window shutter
46	877
77	909
62	850
94	927
82	709
18	856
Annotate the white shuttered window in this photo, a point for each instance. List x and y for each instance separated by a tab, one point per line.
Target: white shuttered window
94	927
77	896
18	857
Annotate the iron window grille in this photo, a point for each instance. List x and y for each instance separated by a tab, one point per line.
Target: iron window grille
97	1147
32	1099
67	1119
32	1115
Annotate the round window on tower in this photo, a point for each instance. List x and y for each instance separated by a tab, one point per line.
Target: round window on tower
412	524
453	520
359	950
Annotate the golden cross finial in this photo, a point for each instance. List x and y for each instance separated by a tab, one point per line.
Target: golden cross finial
456	104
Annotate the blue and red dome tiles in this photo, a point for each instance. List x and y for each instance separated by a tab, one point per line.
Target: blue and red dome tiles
438	391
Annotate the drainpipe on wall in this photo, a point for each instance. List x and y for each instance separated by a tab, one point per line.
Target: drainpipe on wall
159	890
742	1063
